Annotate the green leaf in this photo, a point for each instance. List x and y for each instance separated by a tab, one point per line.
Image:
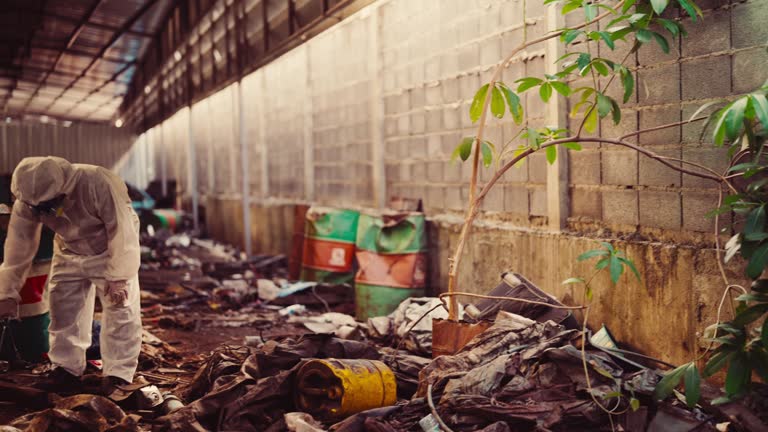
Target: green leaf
669	382
750	315
603	372
716	362
631	266
627	6
758	261
659	5
583	61
571	7
561	88
616	269
591	124
757	236
644	35
551	152
487	152
607	39
719	130
692	385
628	80
616	110
572	146
570	35
588	293
601	68
603	263
764	333
603	105
671	26
590	11
691	8
497	103
515	107
755	221
573	280
738	377
662	41
760	105
734	118
464	149
476	109
527	83
634	403
545	91
591	254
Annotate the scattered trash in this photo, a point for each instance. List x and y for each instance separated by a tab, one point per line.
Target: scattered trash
338	324
295	309
399	325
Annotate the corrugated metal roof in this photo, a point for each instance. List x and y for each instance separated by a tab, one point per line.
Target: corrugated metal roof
68	57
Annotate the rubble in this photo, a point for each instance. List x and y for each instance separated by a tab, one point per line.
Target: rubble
226	338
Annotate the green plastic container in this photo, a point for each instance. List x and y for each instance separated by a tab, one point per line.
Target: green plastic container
31	337
329	245
391	255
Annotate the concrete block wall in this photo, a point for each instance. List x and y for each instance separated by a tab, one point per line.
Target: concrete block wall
613	186
373	108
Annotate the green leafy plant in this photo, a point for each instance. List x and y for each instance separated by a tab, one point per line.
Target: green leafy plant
740	125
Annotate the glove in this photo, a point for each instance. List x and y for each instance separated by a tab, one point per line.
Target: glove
117	291
9	309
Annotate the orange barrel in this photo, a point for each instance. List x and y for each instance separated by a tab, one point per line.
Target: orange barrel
329	245
391	254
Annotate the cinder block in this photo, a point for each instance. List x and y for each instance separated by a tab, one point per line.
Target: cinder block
518	173
405	172
404	125
490	51
451	117
510	40
418	123
628	124
450	89
654	117
651	53
584	167
434	147
434	120
537	168
706	78
750	18
469	85
434	94
435	198
416	147
494	201
435	171
659	85
692	132
432	68
585	203
619	167
620	207
708	35
417	99
749	71
660	209
511	13
469	56
419	171
453	199
449	61
696	205
538	201
450	141
654	173
452	171
516	200
710	157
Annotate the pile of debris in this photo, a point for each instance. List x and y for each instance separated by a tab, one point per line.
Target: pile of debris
231	344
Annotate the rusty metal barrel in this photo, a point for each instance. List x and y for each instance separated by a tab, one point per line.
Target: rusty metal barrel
335	389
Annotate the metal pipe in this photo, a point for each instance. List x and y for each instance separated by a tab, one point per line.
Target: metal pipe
192	168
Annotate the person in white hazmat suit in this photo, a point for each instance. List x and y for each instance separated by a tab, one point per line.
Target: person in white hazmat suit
96	251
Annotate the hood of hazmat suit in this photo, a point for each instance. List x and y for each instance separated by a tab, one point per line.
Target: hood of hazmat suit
95	220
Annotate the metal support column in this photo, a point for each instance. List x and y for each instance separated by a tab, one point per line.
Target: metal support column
246	174
192	170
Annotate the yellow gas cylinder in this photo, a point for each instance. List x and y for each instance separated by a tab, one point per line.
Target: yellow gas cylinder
335	389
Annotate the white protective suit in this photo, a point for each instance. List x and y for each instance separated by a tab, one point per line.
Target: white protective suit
96	247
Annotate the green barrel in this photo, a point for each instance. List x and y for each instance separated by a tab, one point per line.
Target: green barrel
391	254
329	245
30	334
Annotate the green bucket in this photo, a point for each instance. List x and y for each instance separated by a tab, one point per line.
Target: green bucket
31	337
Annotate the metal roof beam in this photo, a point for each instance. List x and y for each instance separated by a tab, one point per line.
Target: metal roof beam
71	20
